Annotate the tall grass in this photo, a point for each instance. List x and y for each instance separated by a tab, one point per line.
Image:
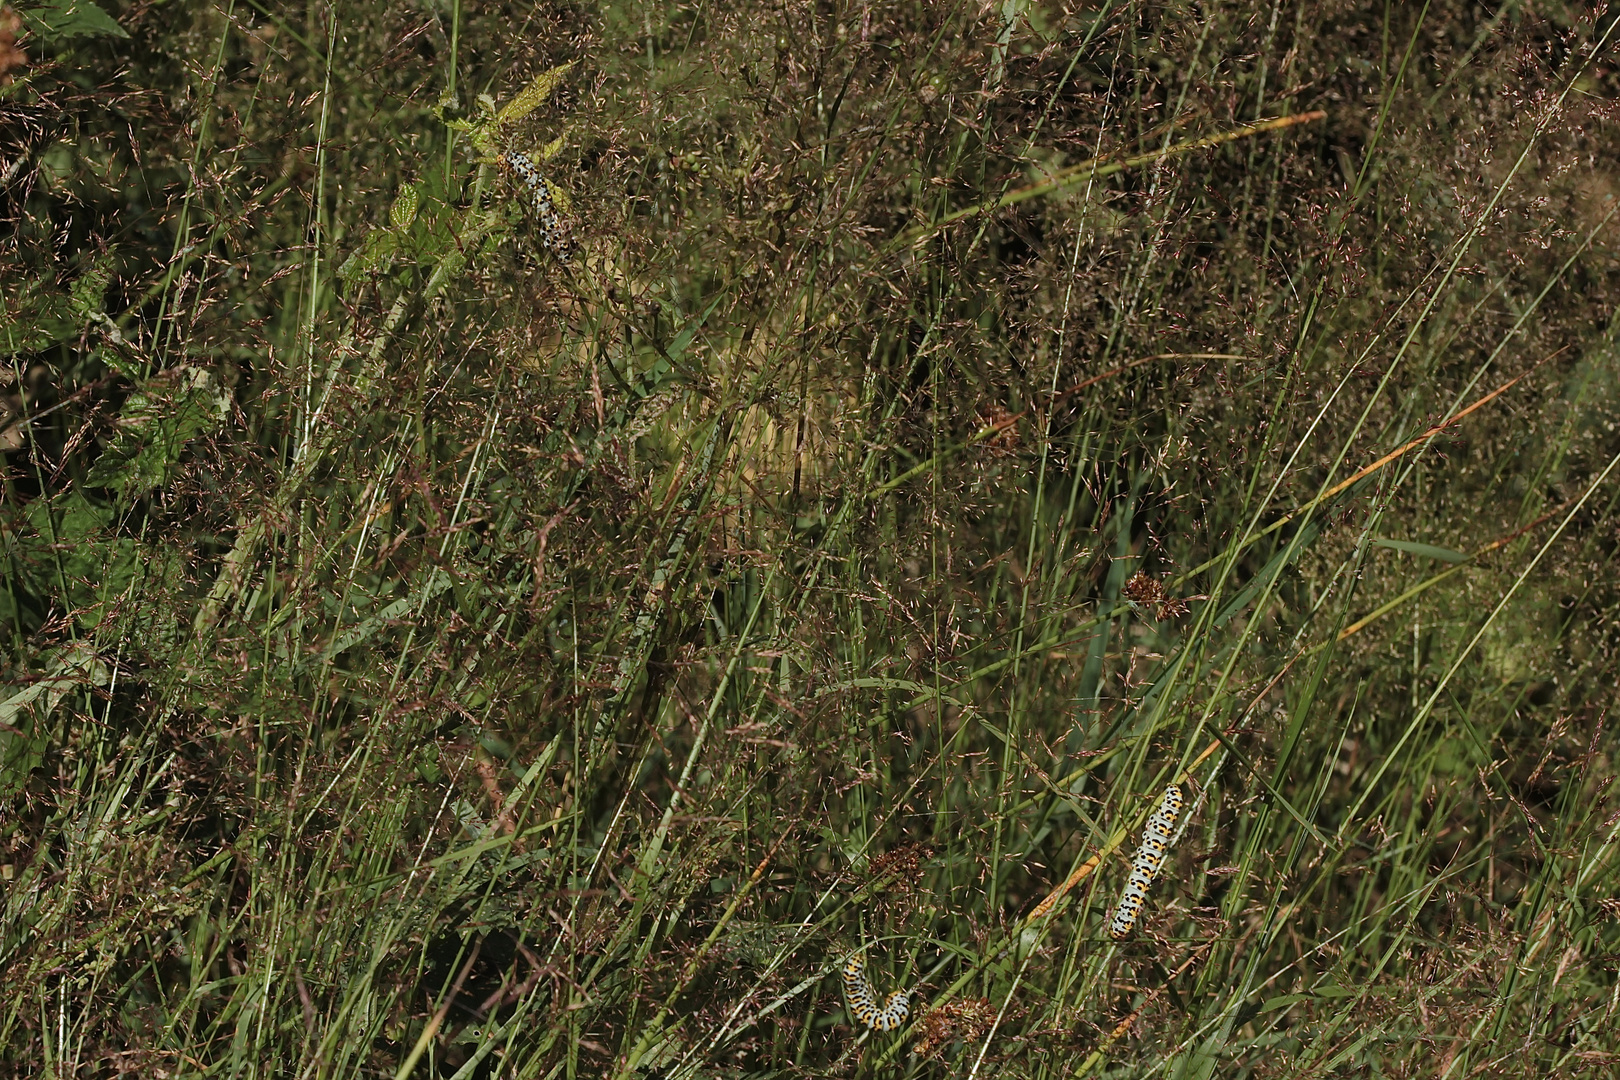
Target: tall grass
432	655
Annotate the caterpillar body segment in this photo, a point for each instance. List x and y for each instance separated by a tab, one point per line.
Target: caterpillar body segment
863	1001
896	1007
545	208
1149	857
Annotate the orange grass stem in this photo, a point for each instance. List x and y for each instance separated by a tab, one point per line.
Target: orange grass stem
1361	474
1153	995
1085	869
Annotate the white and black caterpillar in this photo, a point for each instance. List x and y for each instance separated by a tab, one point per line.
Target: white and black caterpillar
863	1001
1149	857
552	233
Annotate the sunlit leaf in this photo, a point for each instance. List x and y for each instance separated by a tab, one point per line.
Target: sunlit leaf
549	151
532	96
403	212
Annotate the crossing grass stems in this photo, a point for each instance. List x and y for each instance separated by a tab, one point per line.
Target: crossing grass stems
486	549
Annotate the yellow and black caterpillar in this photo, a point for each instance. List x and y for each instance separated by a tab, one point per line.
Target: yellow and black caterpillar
863	1002
1149	857
545	209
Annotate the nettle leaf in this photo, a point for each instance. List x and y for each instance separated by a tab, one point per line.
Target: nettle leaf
403	212
90	287
68	557
29	703
440	230
376	253
560	198
531	97
156	424
549	151
481	135
35	317
54	20
38	314
410	231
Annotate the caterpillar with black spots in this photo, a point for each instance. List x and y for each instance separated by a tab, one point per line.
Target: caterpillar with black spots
545	209
863	1001
1149	857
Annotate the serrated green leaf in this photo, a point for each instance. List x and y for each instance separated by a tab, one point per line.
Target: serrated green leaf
560	198
23	711
41	317
69	557
493	241
549	151
532	96
89	288
403	212
154	428
55	20
375	252
1428	551
38	314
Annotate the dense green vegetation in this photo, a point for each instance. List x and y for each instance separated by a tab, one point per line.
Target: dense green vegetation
430	654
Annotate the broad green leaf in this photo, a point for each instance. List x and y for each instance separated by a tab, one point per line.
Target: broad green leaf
38	314
89	288
156	424
54	20
36	318
532	96
550	150
70	559
375	253
24	710
403	212
560	198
